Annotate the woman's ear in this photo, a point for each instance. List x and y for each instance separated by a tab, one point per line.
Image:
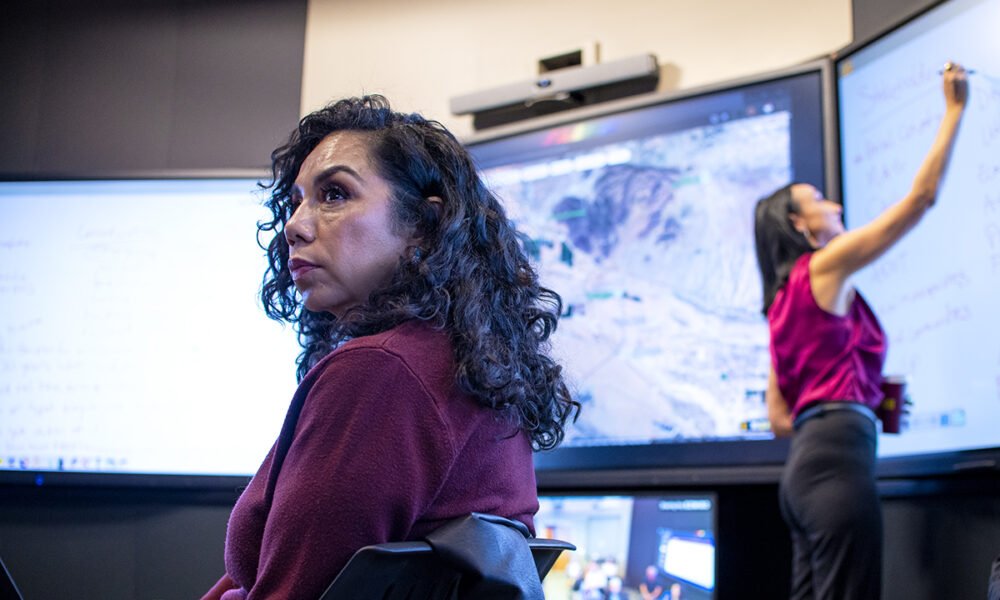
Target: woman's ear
798	223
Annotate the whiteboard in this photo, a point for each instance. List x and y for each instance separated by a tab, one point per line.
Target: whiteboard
937	293
131	336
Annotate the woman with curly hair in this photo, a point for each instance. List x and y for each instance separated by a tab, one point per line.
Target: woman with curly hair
424	383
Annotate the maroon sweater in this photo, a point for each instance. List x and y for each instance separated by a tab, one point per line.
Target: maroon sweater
379	444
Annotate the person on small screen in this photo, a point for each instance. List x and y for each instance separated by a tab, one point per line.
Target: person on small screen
650	589
675	591
827	353
424	380
616	589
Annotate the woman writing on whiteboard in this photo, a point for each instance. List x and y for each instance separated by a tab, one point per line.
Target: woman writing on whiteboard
827	352
424	382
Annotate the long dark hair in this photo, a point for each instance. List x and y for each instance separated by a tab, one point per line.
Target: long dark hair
778	243
470	275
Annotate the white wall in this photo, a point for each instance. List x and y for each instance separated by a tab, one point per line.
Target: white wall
420	53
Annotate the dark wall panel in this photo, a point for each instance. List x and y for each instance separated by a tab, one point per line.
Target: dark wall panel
106	90
21	83
252	108
871	17
941	546
92	87
113	544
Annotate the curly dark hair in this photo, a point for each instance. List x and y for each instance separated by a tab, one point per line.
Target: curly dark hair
778	243
472	279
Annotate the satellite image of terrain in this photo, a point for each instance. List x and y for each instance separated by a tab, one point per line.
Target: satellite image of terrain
650	245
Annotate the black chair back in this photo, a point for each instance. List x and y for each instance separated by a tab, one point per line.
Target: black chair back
488	565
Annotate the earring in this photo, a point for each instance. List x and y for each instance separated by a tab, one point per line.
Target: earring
417	256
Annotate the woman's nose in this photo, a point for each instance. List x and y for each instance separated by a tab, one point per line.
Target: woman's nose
297	230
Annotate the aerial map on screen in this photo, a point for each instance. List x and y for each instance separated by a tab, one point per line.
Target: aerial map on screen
650	244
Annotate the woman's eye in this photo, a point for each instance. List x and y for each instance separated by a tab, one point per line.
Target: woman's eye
334	193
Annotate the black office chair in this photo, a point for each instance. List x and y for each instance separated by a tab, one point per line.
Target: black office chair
478	556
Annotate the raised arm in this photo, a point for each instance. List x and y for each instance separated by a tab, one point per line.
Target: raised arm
849	252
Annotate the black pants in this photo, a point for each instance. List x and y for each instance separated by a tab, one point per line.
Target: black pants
830	502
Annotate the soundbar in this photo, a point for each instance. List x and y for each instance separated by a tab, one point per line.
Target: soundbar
560	84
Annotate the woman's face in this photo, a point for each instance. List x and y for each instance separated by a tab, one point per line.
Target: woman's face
343	243
818	219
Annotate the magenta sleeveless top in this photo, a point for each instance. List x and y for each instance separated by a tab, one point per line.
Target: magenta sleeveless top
819	356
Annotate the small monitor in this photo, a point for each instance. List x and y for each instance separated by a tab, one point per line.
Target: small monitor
627	546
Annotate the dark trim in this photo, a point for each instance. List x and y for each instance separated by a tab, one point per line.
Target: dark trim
140	175
858	44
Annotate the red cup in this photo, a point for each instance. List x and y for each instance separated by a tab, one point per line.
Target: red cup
891	409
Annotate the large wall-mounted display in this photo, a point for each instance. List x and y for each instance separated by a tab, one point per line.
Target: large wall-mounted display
131	338
937	291
640	217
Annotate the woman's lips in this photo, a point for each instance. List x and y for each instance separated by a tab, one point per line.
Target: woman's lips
300	267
